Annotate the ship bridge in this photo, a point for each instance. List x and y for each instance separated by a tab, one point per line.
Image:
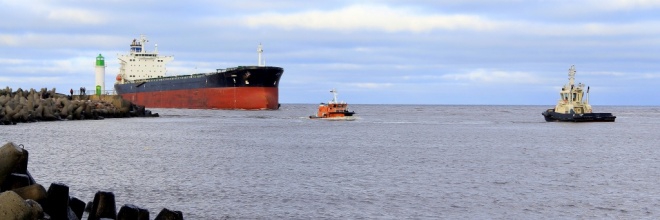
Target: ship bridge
136	47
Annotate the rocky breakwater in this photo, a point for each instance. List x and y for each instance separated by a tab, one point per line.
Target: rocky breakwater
47	105
21	197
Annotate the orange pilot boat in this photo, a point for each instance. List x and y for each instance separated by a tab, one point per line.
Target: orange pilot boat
334	110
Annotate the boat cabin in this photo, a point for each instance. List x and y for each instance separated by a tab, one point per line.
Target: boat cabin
572	100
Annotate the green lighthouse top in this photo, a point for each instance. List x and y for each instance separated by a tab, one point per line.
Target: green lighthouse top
100	61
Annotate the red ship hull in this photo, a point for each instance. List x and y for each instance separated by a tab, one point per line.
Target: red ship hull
244	87
256	98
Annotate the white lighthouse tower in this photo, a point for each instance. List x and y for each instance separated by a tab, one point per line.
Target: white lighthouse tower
100	75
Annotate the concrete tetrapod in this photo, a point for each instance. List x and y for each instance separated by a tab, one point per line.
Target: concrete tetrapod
23	198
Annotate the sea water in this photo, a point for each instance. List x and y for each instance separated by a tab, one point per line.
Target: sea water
393	162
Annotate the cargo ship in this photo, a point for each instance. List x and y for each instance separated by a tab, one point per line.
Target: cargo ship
143	80
573	107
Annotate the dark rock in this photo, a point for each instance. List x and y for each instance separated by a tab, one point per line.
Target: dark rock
132	212
15	181
88	207
57	203
143	215
32	181
71	215
103	206
167	214
77	206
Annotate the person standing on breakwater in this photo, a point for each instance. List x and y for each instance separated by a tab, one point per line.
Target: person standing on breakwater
71	91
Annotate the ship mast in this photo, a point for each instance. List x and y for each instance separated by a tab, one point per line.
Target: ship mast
571	75
571	82
143	40
334	96
587	95
260	50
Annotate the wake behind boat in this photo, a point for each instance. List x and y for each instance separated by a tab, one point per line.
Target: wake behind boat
572	107
334	110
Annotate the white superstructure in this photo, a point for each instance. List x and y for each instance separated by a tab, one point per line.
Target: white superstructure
141	64
572	98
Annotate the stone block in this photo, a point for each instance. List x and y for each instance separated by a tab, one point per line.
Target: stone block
12	206
57	203
10	156
167	214
34	192
103	206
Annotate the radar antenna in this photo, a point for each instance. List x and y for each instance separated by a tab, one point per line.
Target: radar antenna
334	95
571	75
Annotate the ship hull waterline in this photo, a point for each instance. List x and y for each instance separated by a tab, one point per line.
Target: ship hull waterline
249	98
336	116
344	118
550	115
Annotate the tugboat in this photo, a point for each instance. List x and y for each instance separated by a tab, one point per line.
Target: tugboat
572	107
334	110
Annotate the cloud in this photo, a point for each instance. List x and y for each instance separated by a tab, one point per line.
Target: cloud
370	17
409	19
371	85
46	40
590	28
47	67
604	73
50	14
617	5
74	15
487	76
33	80
650	76
8	40
5	61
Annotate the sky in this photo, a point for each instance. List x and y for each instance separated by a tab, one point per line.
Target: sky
469	52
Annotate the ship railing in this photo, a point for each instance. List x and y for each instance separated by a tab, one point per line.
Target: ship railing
233	68
93	92
162	78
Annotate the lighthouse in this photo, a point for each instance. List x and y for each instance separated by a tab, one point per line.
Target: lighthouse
100	75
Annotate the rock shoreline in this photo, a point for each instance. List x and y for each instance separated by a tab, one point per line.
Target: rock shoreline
22	197
23	106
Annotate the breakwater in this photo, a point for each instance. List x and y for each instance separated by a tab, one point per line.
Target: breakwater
22	197
23	106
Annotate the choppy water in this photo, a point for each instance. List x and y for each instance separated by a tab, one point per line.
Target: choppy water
393	162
